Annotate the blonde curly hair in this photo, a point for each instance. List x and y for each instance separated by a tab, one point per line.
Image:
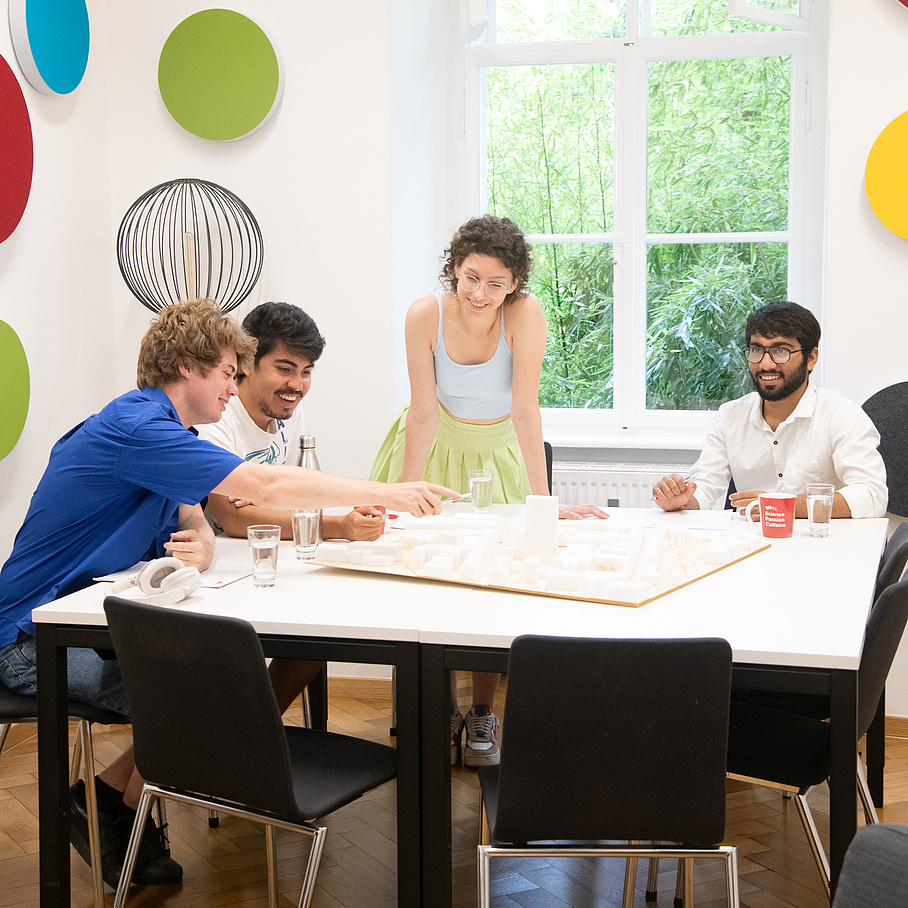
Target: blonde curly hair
190	333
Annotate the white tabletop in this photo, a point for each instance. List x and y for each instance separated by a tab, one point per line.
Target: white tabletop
306	600
804	602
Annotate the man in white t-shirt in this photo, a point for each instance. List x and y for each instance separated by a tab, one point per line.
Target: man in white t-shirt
263	424
787	433
264	421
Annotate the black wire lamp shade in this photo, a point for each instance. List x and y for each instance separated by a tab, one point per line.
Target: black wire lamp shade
186	239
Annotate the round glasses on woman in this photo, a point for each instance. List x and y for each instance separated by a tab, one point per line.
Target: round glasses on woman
493	289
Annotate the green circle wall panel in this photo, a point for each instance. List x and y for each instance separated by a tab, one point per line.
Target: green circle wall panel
51	40
14	389
219	75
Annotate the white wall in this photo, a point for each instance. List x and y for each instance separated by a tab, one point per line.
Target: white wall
350	183
865	313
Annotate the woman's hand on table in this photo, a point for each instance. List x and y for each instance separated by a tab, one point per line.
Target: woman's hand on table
579	511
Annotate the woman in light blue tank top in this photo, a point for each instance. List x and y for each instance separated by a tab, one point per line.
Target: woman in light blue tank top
474	356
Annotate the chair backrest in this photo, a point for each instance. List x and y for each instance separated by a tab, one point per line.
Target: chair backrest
549	456
205	718
893	560
885	627
887	410
614	739
875	871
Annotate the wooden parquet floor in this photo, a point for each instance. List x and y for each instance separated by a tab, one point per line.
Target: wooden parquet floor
225	868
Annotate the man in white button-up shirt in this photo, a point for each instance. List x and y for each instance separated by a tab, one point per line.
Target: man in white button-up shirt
785	434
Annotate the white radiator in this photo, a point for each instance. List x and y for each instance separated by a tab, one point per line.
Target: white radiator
610	485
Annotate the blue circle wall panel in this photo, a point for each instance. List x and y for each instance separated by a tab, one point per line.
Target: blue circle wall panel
51	39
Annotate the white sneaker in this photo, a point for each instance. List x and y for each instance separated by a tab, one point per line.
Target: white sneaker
481	747
456	732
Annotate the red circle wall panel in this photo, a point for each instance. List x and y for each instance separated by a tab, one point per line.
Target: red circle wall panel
16	152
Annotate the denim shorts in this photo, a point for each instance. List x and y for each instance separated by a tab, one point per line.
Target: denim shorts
90	678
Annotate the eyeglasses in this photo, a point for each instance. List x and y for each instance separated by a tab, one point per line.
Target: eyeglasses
493	289
779	355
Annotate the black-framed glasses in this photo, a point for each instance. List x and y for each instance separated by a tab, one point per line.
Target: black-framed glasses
779	355
494	290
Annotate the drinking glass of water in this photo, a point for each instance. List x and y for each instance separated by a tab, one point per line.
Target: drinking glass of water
264	541
481	489
819	507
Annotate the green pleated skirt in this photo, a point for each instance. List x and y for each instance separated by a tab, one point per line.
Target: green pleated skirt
457	448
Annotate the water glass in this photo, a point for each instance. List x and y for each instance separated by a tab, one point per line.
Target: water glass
306	525
819	507
481	489
264	541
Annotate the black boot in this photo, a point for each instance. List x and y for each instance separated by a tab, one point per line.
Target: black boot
154	865
108	829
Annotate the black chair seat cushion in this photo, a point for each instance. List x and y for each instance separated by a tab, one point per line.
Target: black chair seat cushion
342	763
20	708
777	746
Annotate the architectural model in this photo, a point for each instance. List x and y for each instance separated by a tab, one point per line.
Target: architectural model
583	559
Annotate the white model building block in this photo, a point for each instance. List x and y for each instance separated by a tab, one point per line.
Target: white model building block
628	592
606	562
593	585
562	581
333	551
377	547
379	560
500	573
472	568
542	527
423	553
439	567
531	569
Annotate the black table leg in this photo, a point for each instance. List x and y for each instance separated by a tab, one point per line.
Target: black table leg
53	772
410	873
842	777
876	752
318	700
435	707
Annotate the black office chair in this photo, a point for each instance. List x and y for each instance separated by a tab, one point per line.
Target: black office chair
893	559
646	760
875	871
887	409
197	685
16	708
790	751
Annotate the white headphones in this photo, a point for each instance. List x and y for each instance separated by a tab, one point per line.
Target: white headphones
163	581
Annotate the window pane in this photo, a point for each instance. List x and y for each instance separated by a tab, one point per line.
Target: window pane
559	20
698	298
550	146
575	284
792	7
718	145
698	17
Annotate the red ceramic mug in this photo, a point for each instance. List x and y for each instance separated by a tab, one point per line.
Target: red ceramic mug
777	513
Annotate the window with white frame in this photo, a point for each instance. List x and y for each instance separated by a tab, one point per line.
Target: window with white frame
661	157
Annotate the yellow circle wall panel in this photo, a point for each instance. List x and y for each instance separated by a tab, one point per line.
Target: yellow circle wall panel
886	176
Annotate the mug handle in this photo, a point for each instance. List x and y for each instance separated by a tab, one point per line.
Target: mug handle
747	510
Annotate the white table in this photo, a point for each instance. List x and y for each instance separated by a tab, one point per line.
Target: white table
794	616
312	613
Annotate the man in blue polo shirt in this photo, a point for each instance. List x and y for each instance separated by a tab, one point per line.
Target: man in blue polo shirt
125	486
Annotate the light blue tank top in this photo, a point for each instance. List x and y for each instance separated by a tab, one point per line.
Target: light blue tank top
482	391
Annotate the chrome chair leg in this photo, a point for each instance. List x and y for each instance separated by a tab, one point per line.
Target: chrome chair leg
652	880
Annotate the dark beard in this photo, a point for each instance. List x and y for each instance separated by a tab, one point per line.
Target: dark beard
787	388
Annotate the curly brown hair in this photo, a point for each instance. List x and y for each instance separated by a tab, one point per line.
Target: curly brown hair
498	238
190	333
